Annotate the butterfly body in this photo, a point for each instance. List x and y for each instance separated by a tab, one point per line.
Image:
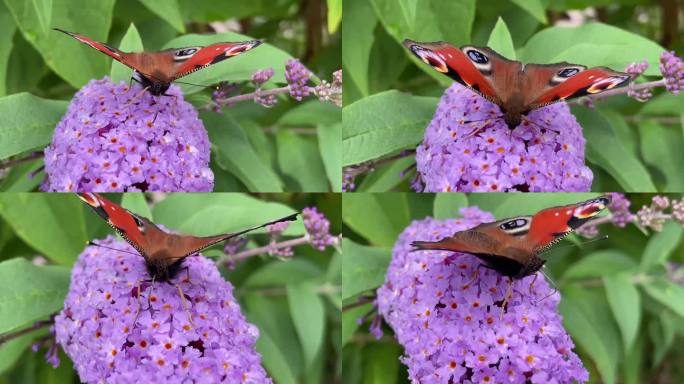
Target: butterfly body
512	246
517	88
155	71
163	252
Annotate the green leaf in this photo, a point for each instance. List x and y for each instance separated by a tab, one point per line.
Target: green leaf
334	15
349	321
31	292
591	327
447	205
13	350
662	333
300	161
625	303
235	153
383	123
381	363
592	44
308	313
501	41
43	12
20	177
363	268
331	152
205	214
386	176
27	123
274	359
167	10
662	149
377	217
282	273
534	8
283	356
598	264
7	28
50	223
668	294
136	203
433	20
661	245
358	37
71	60
131	42
608	153
238	68
311	113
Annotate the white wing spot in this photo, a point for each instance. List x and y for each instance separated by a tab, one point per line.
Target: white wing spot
568	212
556	213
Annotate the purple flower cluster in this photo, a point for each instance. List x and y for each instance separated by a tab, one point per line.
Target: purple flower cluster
446	312
109	141
318	228
297	77
637	69
546	155
672	68
208	340
261	76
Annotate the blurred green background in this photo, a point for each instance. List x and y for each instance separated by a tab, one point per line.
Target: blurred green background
622	307
57	226
631	146
290	147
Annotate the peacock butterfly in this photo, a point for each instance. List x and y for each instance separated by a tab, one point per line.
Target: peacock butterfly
512	246
155	71
517	88
163	252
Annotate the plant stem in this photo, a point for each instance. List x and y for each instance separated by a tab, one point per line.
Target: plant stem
13	162
362	300
635	87
36	326
259	250
358	169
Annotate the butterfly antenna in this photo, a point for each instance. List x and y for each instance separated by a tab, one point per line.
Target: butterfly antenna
528	120
485	119
113	249
196	85
605	237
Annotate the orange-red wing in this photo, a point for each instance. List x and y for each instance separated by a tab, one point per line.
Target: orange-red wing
193	59
554	223
120	56
123	221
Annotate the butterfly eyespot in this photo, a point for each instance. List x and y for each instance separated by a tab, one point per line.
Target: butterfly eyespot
185	53
515	226
477	56
568	72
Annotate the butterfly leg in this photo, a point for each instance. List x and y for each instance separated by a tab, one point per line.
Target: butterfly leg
477	130
528	120
184	303
138	96
509	294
